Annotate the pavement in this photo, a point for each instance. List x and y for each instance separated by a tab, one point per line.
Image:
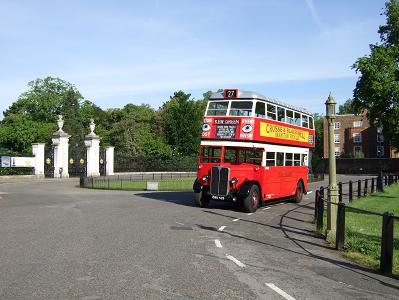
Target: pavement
58	241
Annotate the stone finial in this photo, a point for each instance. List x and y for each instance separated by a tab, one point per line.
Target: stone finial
60	123
92	125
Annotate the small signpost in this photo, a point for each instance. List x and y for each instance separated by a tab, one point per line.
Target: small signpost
5	161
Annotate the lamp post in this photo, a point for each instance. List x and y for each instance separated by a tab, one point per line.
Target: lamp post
380	127
332	175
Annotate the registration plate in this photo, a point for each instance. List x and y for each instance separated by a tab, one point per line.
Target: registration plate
218	197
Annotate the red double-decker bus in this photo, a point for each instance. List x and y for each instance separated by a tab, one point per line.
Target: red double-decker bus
253	149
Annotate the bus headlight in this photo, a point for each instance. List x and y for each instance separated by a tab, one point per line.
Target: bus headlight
234	180
205	178
247	128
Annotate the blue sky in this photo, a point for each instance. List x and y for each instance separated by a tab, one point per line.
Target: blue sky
119	52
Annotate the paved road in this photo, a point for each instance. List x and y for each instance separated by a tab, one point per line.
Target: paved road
58	241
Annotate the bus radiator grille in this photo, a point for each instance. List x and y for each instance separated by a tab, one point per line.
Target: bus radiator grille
220	181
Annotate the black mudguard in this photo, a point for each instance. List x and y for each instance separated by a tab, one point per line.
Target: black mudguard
245	188
197	187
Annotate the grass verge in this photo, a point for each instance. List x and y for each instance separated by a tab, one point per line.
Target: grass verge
363	232
175	184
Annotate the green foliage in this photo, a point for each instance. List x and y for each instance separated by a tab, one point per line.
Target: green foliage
346	108
377	90
19	132
318	151
182	119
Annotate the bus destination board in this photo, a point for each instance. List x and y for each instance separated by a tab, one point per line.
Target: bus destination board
226	131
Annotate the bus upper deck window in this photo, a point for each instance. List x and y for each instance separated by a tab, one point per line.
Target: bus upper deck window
305	121
241	108
271	112
289	116
217	108
260	110
311	123
297	119
280	114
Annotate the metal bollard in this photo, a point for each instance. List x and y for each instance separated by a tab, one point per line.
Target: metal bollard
340	234
350	190
387	243
365	190
359	189
340	191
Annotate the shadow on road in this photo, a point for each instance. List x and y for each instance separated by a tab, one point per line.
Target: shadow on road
186	199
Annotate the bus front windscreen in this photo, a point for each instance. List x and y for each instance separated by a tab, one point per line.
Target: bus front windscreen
210	154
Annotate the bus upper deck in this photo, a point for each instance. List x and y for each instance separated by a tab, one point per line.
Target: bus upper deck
247	116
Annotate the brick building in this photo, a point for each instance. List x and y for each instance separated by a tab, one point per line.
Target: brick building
353	137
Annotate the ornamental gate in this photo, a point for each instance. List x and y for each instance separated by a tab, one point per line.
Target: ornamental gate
77	161
49	161
102	161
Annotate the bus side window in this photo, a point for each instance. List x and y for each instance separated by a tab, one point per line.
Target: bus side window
288	159
305	121
280	114
297	117
271	159
280	159
290	116
271	112
260	110
311	123
304	160
297	159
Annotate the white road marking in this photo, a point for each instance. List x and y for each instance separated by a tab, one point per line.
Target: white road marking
309	192
266	208
235	220
235	260
279	291
221	228
3	193
250	214
218	244
179	223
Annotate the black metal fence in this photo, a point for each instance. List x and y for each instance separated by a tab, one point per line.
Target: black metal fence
138	181
349	191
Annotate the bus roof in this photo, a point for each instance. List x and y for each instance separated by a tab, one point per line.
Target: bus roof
252	95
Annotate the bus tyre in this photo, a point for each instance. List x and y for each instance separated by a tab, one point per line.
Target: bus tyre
201	200
299	192
251	201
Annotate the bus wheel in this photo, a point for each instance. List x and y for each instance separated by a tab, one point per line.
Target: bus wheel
251	202
201	200
299	192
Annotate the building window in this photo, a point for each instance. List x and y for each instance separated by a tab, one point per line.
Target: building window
380	151
380	138
336	138
357	124
337	151
357	137
337	125
357	150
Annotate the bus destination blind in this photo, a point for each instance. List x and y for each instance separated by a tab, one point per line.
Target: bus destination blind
226	131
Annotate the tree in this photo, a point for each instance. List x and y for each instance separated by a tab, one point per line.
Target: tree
182	119
318	151
377	89
346	108
32	118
